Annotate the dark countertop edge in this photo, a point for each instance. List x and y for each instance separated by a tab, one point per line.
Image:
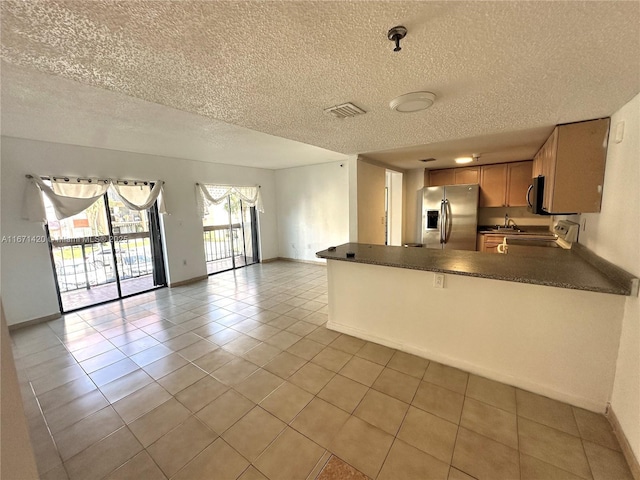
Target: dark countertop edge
626	288
614	273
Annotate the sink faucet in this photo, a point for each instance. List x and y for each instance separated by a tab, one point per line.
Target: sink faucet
508	221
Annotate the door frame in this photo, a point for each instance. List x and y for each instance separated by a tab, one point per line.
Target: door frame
155	237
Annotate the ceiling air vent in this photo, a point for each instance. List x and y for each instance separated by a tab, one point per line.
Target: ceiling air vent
345	110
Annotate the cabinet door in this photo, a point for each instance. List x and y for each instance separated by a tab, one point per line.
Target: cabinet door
493	185
491	248
441	177
579	168
549	169
490	243
466	175
518	181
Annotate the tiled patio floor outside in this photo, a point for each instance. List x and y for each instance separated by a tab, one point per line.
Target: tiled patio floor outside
221	265
237	377
85	297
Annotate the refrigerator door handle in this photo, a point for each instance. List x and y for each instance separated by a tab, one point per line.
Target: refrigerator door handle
447	218
442	221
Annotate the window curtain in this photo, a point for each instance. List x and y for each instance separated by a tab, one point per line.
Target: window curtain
140	196
216	194
68	199
70	196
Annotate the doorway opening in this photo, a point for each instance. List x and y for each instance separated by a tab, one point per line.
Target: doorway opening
230	233
393	208
104	253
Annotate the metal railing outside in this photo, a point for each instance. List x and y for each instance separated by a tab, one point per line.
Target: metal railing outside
88	262
221	242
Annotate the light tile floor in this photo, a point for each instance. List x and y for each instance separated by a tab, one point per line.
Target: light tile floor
236	377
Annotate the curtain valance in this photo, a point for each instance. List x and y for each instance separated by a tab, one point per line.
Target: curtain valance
70	196
216	194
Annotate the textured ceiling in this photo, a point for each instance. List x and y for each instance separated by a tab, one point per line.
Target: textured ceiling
51	108
273	67
494	148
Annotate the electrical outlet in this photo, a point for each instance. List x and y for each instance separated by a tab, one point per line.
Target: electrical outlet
438	280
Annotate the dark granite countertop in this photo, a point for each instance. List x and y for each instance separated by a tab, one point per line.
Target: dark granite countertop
524	230
577	268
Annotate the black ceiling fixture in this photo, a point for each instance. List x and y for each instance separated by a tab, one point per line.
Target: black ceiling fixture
395	35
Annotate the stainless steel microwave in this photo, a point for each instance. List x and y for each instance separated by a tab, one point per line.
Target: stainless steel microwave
535	198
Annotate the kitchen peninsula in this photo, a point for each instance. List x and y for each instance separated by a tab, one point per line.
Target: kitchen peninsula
548	323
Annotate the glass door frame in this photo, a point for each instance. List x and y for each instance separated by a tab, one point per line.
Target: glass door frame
155	240
242	226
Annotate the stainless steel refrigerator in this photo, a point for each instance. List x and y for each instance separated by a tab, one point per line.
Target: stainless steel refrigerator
450	217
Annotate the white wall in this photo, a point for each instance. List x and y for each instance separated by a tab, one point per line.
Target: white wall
395	198
614	234
564	347
353	199
413	185
16	456
313	209
26	275
371	214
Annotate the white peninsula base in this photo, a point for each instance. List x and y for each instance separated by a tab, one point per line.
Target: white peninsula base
557	342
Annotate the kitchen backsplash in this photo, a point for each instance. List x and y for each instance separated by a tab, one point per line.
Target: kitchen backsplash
520	215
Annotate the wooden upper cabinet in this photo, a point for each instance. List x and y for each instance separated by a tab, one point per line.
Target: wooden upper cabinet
441	177
466	175
519	175
544	164
572	161
493	185
452	176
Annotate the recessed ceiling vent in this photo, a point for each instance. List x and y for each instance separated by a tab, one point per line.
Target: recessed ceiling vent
345	110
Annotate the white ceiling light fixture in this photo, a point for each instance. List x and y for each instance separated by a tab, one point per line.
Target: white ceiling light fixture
463	160
412	102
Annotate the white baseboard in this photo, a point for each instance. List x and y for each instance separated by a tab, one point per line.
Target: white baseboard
269	260
35	321
522	383
188	281
629	456
299	260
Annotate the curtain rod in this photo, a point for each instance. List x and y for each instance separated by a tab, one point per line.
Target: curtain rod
90	180
220	185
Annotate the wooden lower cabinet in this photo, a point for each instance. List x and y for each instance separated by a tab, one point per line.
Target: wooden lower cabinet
488	243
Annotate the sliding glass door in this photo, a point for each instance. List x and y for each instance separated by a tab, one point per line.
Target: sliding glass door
106	252
230	235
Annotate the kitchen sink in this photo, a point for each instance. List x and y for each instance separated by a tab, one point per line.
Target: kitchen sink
498	229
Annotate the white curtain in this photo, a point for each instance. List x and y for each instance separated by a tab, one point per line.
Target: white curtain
140	196
216	194
68	199
72	196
